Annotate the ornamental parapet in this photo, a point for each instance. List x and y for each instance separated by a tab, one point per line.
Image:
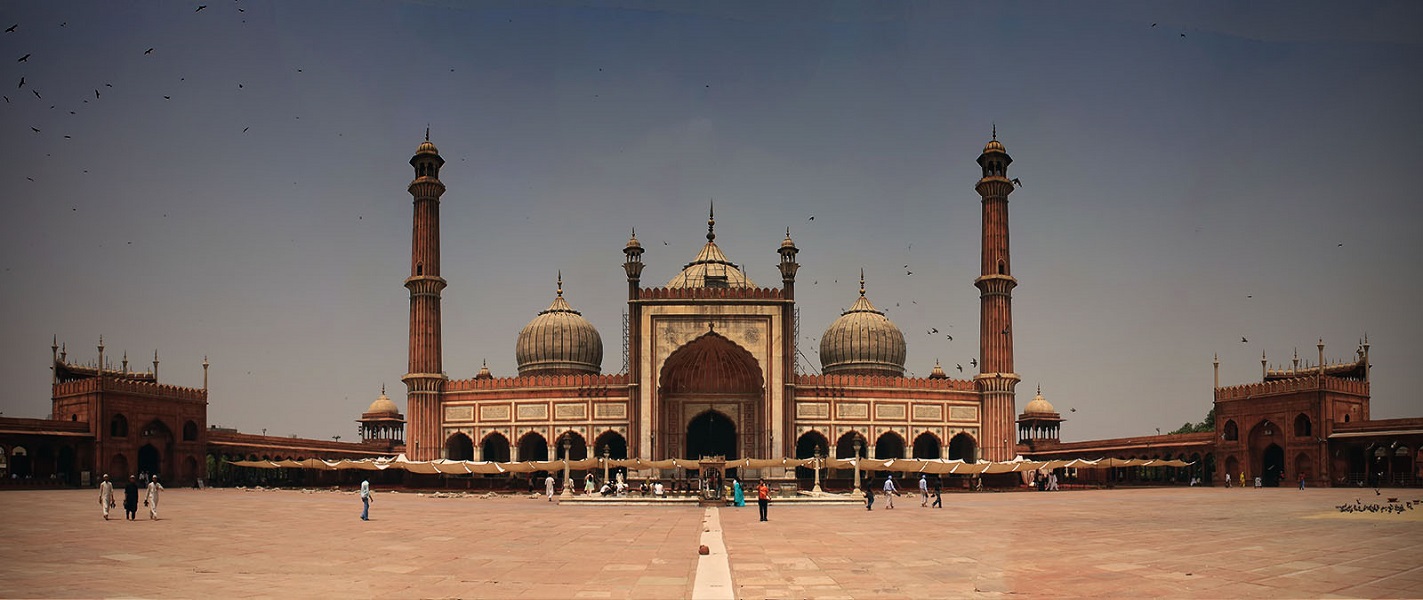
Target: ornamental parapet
708	293
584	380
1307	383
883	382
129	386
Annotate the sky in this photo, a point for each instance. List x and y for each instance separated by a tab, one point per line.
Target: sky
1193	173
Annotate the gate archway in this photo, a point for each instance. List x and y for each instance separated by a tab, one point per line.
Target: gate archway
963	447
150	461
710	374
711	434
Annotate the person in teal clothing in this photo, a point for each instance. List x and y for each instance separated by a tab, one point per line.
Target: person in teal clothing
736	492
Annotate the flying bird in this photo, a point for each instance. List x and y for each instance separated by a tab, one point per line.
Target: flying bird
1183	35
11	29
1243	340
1016	182
1153	24
960	367
1072	409
239	86
244	129
36	93
7	99
933	330
167	97
22	82
973	362
200	7
24	58
951	338
34	129
1341	245
812	218
96	94
148	51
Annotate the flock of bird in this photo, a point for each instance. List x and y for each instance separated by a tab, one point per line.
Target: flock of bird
1393	506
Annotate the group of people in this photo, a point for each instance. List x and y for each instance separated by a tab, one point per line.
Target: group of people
106	497
891	490
1045	483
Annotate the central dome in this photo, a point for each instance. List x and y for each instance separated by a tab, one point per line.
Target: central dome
863	342
559	341
711	269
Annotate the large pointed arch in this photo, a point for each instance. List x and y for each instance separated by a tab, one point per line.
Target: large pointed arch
713	373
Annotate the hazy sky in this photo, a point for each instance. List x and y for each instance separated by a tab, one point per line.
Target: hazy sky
1192	173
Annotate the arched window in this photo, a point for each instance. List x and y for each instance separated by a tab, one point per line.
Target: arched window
118	426
190	431
1303	427
1232	433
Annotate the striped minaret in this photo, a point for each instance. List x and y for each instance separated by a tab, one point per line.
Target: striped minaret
425	379
996	380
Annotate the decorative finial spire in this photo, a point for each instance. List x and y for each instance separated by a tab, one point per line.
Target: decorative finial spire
427	132
382	388
862	282
560	283
711	220
995	130
1040	389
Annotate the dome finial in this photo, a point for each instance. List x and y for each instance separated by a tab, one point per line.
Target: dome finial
862	282
427	132
1040	389
560	283
382	388
995	130
711	220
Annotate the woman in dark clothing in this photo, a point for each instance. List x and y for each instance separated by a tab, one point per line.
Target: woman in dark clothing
131	498
869	494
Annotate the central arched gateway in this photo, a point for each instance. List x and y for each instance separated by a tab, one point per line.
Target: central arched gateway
711	397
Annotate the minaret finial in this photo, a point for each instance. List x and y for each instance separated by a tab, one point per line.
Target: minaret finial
862	282
995	130
427	132
1040	389
560	283
382	388
711	220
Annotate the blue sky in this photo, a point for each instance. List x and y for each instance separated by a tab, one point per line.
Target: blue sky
1245	179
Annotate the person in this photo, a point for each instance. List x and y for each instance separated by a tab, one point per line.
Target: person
737	494
606	490
763	498
152	500
548	487
923	491
659	490
1301	486
870	494
889	490
106	495
1052	481
1227	480
366	499
644	488
938	492
588	485
1242	480
131	498
1257	482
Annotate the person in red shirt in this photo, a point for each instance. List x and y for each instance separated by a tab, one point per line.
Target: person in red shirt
763	498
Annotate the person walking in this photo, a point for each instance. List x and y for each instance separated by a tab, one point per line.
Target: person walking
548	487
889	490
738	495
923	491
131	498
366	499
588	485
1227	481
106	495
1301	486
151	501
938	492
763	498
870	495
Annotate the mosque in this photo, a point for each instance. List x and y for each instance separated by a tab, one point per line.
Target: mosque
711	369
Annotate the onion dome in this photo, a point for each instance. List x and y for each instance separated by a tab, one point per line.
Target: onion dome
559	341
632	242
863	342
426	147
994	145
383	405
484	372
711	268
1038	405
938	372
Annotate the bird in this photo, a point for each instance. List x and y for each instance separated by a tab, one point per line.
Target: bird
1243	340
812	218
200	7
7	100
1005	331
1072	410
66	137
933	330
11	29
96	94
244	129
973	362
909	273
1016	182
1153	24
22	82
148	51
36	93
167	97
960	367
1249	296
35	129
239	86
1341	245
1183	35
951	338
24	58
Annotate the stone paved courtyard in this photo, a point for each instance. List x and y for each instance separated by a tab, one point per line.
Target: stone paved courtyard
1165	542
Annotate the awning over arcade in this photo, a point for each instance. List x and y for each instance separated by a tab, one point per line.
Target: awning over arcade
900	465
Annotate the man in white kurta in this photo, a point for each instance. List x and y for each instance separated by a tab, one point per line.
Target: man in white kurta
152	499
548	487
106	496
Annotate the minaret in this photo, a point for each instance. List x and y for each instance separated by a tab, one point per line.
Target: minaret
996	379
632	265
425	379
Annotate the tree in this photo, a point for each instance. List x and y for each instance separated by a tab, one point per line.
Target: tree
1206	425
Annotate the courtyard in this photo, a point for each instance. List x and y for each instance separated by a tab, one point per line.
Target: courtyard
1152	542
